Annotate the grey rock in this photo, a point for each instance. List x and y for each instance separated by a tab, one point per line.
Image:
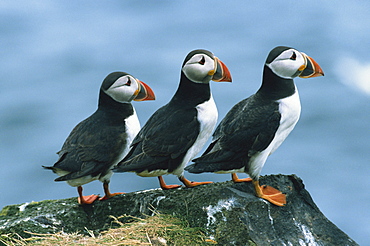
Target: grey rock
229	212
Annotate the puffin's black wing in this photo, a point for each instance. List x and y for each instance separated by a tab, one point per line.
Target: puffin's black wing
163	141
90	149
245	130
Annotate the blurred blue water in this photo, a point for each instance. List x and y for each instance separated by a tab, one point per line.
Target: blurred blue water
54	55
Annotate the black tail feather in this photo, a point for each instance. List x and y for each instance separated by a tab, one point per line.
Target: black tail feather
215	167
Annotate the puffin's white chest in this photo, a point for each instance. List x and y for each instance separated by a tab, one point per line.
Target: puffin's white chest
207	117
290	110
132	126
132	129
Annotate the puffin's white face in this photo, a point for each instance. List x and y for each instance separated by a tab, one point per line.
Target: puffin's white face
124	89
289	64
200	68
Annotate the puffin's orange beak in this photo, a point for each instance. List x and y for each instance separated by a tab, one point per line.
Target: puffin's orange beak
221	73
145	92
312	68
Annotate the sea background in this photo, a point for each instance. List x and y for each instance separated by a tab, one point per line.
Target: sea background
55	54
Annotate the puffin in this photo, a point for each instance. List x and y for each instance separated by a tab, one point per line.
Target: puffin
177	131
256	126
100	141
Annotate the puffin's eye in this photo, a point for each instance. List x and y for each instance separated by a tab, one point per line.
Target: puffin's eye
294	56
202	61
128	81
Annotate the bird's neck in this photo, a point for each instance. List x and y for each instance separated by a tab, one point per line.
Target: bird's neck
190	92
113	108
274	87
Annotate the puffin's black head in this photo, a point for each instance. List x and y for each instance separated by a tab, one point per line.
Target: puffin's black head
123	88
289	63
201	66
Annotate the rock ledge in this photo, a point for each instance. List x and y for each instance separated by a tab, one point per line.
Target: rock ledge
229	213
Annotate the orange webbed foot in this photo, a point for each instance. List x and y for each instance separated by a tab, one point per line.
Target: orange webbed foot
270	194
107	192
191	184
164	186
236	179
83	200
110	196
170	187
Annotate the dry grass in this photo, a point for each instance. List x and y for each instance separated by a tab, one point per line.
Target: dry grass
155	230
